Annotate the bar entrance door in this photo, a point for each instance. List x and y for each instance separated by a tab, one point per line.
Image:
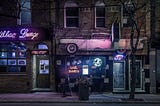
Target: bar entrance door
118	76
41	73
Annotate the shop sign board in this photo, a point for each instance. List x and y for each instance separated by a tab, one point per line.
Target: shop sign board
21	33
39	52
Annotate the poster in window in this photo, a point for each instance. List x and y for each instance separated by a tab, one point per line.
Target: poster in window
44	66
21	62
85	70
12	62
3	61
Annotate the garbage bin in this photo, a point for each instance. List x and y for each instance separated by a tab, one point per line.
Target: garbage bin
83	91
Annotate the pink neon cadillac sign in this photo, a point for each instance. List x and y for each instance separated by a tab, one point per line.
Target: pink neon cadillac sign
72	45
20	34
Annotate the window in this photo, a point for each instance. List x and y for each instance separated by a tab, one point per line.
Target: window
71	14
41	46
100	14
25	12
12	57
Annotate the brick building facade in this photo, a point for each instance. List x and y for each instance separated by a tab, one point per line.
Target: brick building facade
82	38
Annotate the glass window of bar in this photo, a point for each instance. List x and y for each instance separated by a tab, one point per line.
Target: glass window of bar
12	57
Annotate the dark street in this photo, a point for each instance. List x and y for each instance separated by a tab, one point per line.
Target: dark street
76	104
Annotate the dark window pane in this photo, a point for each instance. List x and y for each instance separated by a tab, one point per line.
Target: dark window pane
71	11
100	12
3	69
12	47
22	69
72	22
23	48
100	22
12	69
3	47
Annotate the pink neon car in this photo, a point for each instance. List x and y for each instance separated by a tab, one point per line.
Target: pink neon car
72	45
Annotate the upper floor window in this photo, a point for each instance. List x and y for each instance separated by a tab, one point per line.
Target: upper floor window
25	12
100	14
71	16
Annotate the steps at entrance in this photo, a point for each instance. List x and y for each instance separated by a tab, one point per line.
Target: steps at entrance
41	90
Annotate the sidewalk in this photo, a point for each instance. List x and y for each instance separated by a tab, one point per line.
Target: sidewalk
52	97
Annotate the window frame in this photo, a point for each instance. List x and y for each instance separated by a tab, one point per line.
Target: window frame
73	5
100	5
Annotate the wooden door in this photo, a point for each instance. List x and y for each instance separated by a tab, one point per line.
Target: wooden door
43	74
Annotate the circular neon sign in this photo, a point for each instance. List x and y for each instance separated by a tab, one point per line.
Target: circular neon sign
97	62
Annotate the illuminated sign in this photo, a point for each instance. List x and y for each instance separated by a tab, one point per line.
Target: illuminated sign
7	34
97	62
73	69
85	69
119	57
24	33
39	52
72	45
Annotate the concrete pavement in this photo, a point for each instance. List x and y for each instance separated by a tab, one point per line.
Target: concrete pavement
52	97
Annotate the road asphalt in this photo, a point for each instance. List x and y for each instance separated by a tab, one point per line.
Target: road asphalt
51	97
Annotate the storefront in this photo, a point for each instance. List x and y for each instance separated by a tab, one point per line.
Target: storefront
24	59
98	70
108	70
106	74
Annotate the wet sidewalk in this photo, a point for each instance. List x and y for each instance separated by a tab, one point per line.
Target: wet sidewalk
52	97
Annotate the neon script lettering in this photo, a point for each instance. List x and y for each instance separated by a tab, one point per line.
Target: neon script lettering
7	34
25	33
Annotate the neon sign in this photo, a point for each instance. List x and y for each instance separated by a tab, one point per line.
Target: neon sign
7	34
39	52
26	33
97	62
73	69
119	57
